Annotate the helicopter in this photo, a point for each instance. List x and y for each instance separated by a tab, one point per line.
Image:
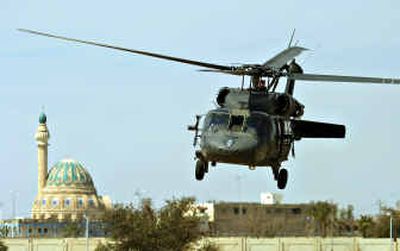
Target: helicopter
255	126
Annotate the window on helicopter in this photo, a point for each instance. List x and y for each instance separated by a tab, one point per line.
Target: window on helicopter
217	119
236	121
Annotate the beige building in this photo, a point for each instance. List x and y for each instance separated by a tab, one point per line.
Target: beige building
65	192
256	219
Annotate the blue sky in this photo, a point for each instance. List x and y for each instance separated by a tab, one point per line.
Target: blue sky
124	116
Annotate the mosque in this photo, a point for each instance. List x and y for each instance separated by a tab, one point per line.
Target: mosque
66	193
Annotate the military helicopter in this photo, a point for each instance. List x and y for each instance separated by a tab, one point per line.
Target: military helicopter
255	126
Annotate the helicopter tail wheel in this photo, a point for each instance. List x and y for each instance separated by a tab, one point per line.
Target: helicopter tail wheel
282	178
201	169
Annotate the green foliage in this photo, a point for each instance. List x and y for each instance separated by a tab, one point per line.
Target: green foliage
345	224
173	227
103	247
382	222
323	214
207	246
3	247
366	226
3	231
72	230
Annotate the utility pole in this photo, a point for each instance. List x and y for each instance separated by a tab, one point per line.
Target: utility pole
391	232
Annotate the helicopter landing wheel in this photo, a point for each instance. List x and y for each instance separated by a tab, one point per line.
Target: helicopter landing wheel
201	169
282	178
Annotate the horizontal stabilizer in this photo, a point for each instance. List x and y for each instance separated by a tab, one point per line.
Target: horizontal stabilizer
311	129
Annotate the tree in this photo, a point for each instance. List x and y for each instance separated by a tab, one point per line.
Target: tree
323	214
4	232
207	246
173	227
179	223
366	225
382	221
3	247
345	224
72	230
103	247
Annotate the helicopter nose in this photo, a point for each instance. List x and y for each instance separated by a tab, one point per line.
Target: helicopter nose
234	144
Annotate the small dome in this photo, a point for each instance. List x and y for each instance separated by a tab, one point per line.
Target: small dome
69	173
42	118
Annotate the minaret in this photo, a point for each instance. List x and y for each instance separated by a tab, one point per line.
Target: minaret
42	138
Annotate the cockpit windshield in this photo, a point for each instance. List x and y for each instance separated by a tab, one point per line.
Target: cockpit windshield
215	120
236	121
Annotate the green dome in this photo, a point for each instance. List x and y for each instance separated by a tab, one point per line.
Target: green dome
69	173
42	118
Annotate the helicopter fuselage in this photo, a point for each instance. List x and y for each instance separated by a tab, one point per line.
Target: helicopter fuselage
246	138
256	128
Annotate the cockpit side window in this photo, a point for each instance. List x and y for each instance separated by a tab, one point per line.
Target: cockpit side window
216	119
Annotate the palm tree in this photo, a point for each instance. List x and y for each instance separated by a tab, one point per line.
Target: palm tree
324	214
365	225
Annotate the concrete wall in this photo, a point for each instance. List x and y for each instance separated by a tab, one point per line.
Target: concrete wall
225	244
70	244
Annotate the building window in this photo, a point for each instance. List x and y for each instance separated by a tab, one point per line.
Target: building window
54	202
236	210
244	210
45	231
39	230
67	202
80	202
91	202
44	202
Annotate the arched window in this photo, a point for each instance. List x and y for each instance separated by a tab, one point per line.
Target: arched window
55	202
67	202
80	202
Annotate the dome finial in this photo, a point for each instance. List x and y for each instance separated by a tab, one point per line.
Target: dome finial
42	117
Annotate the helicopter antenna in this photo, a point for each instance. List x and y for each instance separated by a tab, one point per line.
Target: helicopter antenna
291	38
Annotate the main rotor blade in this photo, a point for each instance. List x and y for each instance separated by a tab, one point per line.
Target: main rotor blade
150	54
284	56
338	78
220	71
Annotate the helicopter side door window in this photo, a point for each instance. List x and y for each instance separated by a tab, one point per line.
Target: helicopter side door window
236	122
